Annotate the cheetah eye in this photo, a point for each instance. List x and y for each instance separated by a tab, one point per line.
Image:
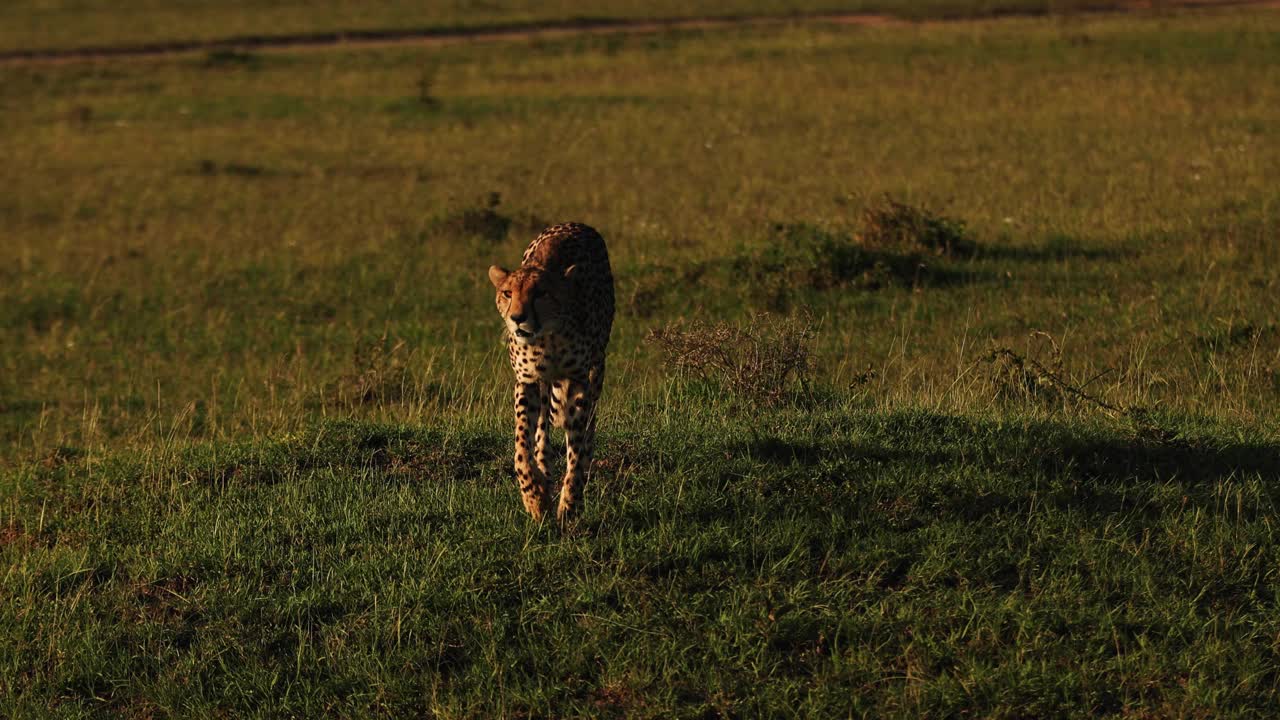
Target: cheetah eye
506	294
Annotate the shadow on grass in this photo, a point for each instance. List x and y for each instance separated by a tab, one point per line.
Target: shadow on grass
1055	248
908	470
899	470
1087	455
394	455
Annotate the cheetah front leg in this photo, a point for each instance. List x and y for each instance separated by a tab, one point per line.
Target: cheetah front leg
579	408
544	427
533	481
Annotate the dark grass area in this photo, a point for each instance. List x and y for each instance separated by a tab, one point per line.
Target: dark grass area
815	563
395	21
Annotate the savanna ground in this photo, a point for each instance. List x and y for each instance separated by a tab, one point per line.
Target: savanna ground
255	455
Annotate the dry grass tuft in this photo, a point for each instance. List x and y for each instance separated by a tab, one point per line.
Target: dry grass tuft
1026	378
380	375
754	360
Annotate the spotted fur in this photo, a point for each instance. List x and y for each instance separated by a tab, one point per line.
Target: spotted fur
558	311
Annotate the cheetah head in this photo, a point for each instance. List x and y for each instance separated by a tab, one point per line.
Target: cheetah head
531	300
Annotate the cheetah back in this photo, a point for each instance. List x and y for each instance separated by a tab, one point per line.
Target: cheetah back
574	244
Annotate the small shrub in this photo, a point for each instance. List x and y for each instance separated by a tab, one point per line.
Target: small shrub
1023	378
478	221
892	225
1026	378
754	361
484	221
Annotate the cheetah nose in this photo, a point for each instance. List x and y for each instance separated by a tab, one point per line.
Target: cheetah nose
518	319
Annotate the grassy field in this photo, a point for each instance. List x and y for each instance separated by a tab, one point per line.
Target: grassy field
254	453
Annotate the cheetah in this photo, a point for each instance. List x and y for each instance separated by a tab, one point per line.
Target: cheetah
557	308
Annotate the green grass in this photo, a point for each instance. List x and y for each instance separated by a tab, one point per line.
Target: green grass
254	438
813	564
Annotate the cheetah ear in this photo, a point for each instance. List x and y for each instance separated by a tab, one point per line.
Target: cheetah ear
569	272
497	275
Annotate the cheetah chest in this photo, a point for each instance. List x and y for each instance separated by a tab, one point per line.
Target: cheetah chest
552	358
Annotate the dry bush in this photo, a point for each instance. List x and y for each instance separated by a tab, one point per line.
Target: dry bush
1026	378
891	225
754	361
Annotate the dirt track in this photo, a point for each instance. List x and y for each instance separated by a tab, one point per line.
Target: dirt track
439	36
